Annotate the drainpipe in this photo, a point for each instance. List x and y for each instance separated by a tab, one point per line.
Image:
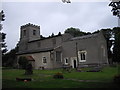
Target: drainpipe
77	55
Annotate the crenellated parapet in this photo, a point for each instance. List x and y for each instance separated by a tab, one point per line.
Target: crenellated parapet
29	24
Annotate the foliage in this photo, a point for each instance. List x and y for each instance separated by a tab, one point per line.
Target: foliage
23	62
59	34
108	34
10	59
116	48
117	79
28	69
76	32
2	16
58	76
4	49
42	37
3	35
52	35
115	8
96	32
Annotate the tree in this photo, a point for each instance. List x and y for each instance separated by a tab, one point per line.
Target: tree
75	32
23	62
42	37
115	8
67	1
96	31
28	69
59	34
108	35
3	35
116	48
4	46
2	16
52	35
10	59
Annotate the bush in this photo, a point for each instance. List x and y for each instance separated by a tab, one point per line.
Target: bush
117	79
23	62
58	76
28	70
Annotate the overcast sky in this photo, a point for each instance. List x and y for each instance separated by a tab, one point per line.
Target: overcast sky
54	17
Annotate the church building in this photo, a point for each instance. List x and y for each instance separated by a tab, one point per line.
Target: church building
53	52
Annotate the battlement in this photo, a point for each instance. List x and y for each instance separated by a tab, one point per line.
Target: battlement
29	24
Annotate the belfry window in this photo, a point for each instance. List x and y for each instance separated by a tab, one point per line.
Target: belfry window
34	32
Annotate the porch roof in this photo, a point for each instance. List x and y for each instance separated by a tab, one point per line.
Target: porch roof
30	58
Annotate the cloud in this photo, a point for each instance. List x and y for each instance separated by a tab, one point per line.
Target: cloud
55	17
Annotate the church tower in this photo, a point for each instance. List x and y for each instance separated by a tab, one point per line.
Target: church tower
28	32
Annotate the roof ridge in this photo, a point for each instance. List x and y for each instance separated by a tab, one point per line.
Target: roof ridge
85	36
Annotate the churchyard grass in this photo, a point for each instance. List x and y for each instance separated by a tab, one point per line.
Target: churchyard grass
44	79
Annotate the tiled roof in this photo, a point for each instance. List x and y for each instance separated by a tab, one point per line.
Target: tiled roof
30	58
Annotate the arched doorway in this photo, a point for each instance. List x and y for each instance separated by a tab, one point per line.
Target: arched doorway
75	64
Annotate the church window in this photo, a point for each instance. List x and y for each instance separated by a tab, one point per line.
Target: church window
82	56
34	32
44	60
58	56
66	60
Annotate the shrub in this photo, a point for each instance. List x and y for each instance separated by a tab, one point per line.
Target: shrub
23	62
58	76
28	70
117	79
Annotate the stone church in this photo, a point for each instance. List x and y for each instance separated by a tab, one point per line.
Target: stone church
53	52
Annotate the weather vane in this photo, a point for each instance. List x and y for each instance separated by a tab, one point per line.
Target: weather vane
66	1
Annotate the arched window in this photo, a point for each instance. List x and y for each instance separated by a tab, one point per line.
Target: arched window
44	60
66	60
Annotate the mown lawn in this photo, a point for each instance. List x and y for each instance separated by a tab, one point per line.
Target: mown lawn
44	79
